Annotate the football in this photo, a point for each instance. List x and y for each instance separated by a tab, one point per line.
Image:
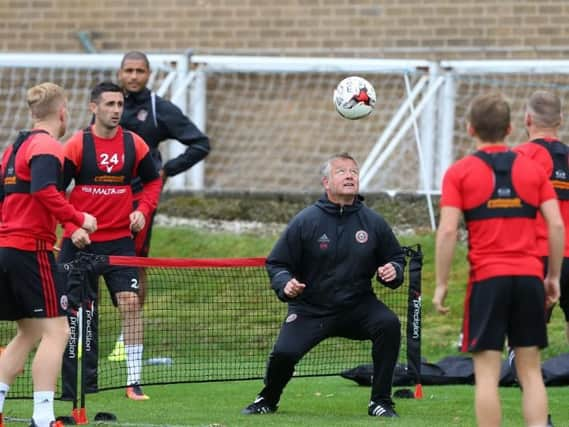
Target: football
354	98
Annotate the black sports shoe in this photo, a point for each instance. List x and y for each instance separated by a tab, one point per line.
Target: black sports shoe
259	406
381	409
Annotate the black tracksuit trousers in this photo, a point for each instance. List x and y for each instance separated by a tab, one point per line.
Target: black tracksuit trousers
368	319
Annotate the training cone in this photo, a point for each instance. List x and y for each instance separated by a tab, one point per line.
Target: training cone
418	391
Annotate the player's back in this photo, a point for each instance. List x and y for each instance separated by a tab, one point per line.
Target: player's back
25	220
539	153
498	245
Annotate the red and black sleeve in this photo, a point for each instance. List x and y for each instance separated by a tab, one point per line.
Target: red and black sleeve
45	172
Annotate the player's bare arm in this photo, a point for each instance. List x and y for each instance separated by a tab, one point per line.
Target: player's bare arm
89	223
447	233
556	234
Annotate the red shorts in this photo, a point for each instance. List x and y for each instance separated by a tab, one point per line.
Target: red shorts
505	306
30	285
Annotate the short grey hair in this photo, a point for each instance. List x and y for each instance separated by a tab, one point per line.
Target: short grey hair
326	167
545	109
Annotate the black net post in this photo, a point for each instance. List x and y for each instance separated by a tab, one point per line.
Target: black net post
415	266
82	345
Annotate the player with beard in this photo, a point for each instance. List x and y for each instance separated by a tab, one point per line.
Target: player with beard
103	160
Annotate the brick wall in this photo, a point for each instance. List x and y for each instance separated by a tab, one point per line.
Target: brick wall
399	28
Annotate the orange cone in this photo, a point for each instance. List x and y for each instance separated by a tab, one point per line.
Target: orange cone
418	391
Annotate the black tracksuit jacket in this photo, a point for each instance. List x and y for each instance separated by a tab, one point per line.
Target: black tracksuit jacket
169	123
335	251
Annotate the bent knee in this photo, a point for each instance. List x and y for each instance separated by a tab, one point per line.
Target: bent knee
56	329
128	301
392	324
65	330
389	327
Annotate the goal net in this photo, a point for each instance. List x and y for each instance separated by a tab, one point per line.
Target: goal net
77	74
271	120
517	80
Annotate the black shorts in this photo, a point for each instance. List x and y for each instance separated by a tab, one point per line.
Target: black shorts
505	306
117	278
30	285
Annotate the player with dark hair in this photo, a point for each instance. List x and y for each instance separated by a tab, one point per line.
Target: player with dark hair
31	292
103	160
500	192
156	120
323	266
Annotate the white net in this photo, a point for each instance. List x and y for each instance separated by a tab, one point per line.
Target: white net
14	83
271	132
517	88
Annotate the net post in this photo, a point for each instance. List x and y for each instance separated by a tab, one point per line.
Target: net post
86	263
69	372
415	256
80	414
